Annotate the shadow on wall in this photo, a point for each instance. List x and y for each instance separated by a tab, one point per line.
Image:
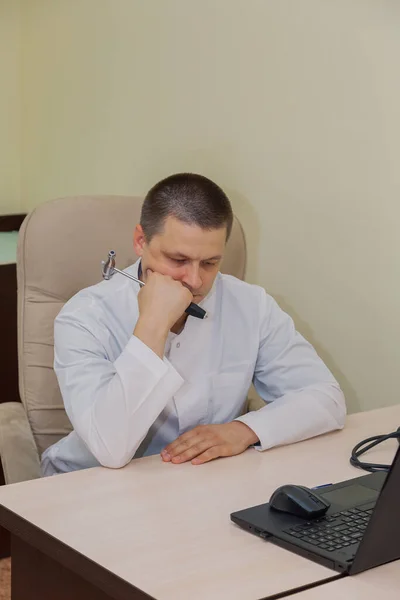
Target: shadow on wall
353	402
250	222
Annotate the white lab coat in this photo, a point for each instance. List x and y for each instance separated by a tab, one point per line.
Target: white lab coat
124	401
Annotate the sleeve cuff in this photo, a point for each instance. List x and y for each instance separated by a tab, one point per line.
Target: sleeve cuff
159	367
137	358
251	420
145	355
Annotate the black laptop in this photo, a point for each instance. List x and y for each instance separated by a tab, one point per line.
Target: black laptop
360	530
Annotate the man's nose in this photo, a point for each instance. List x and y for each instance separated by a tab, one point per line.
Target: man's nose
192	277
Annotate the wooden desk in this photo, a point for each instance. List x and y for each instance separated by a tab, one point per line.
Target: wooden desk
165	529
382	582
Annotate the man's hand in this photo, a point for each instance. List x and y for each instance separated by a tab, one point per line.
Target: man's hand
162	301
206	442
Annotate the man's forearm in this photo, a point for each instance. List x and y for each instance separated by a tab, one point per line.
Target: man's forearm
152	333
298	415
113	405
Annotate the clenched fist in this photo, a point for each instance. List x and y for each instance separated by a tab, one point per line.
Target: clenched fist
162	301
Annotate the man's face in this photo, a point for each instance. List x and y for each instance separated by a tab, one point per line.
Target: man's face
187	253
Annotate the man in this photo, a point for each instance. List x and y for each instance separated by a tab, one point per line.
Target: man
139	376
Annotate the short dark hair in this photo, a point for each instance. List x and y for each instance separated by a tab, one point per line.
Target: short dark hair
191	198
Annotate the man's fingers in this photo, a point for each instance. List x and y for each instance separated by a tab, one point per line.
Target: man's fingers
191	452
210	454
186	446
183	442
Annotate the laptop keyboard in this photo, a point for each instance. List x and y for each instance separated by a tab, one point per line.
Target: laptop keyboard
335	531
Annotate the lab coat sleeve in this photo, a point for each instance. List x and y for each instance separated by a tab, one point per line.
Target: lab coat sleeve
303	398
111	405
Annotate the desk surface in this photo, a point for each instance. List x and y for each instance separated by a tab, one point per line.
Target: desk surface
165	528
382	582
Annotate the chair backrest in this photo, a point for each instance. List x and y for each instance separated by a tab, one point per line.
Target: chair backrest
60	248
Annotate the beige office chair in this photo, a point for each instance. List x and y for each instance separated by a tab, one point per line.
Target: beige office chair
60	249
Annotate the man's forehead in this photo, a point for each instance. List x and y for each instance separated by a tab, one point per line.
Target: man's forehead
193	251
179	232
191	255
172	225
191	242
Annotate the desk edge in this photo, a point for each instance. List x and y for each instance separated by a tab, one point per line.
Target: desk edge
80	564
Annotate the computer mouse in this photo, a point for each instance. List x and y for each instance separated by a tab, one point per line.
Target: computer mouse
299	501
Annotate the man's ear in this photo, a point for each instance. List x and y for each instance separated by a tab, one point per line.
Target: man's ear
139	240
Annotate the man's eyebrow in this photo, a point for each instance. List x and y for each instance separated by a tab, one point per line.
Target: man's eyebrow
212	258
183	256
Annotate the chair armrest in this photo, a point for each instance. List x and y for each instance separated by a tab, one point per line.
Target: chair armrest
18	452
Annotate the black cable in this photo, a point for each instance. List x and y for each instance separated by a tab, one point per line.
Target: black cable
366	445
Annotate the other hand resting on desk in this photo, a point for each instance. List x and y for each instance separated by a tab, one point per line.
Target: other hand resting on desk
206	442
